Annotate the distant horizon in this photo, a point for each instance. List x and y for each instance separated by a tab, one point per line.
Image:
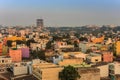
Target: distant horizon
61	26
60	12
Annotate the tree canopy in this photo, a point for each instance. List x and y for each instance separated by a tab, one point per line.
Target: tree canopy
69	73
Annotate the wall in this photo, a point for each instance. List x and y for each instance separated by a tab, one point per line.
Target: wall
104	71
70	61
16	55
89	74
20	70
118	47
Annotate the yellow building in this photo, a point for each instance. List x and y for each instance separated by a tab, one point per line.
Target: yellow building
67	54
66	62
46	71
93	58
104	48
117	48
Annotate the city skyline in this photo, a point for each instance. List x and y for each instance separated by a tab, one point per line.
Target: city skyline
59	12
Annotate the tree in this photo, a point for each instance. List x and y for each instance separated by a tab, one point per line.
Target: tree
48	45
83	39
69	73
41	54
76	44
19	41
113	49
9	43
88	51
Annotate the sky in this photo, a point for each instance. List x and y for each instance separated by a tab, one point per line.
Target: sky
60	12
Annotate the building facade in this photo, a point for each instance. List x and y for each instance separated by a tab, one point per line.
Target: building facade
40	23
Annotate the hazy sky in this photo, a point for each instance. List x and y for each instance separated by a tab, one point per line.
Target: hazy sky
60	12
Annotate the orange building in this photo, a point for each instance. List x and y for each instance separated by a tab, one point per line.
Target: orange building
117	48
14	38
98	40
107	56
16	55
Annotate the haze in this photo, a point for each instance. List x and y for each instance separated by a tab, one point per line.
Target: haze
60	12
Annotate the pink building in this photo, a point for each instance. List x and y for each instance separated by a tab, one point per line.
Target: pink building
107	56
16	55
25	52
0	49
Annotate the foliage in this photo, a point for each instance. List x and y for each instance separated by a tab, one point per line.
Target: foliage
69	73
76	44
30	41
113	49
83	39
9	43
48	45
41	54
88	51
38	54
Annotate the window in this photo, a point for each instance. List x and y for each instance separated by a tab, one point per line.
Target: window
96	60
2	61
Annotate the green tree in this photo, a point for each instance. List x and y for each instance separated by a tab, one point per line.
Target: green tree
69	73
88	51
76	44
41	54
113	49
48	45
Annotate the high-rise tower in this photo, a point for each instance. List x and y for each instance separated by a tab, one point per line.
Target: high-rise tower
40	23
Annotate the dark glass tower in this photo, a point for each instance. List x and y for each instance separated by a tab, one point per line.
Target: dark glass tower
40	23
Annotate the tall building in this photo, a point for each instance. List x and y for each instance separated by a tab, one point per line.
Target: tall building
40	23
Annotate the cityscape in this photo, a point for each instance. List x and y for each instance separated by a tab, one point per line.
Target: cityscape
47	45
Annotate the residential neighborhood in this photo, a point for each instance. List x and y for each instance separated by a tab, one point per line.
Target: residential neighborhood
39	53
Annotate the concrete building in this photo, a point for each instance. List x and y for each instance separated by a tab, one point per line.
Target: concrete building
93	58
86	45
109	41
89	73
66	62
22	68
5	62
25	52
16	55
104	70
117	45
46	71
19	69
83	47
40	23
62	45
114	69
107	56
57	59
81	55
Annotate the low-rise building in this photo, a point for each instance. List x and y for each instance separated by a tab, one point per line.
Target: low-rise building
21	68
104	70
71	61
89	73
117	47
5	62
93	58
107	56
62	45
114	68
16	55
46	71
